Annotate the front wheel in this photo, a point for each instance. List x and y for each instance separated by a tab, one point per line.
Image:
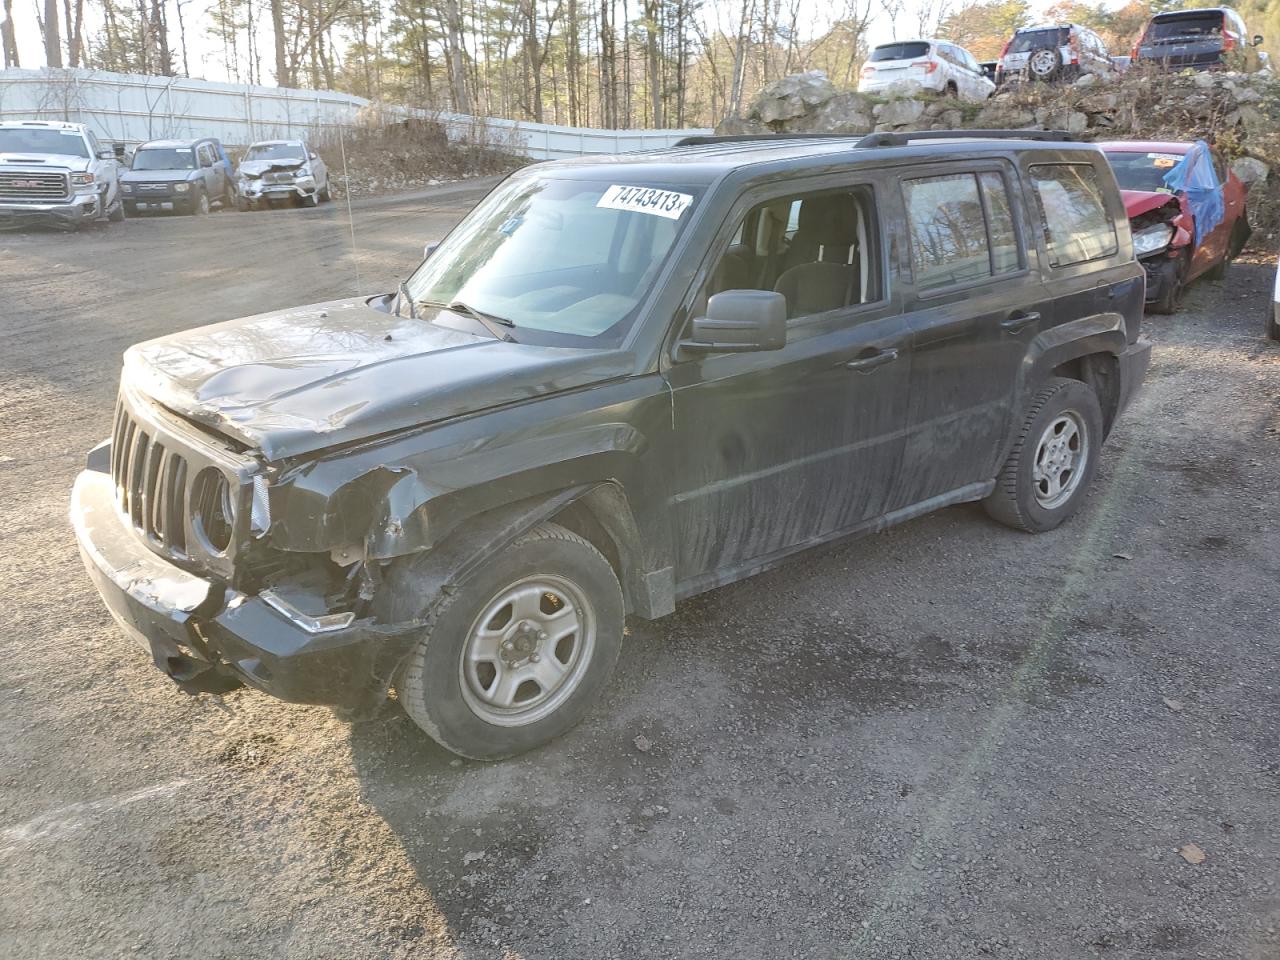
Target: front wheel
1052	461
516	655
199	204
1173	286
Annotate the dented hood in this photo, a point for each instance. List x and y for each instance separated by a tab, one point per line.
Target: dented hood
1138	202
256	168
295	381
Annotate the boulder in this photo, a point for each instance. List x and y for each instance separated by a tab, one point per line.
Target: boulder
1099	103
1003	116
1250	170
736	126
846	112
1061	118
902	89
791	97
899	113
1087	80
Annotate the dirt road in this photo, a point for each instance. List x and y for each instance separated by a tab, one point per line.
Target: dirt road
949	740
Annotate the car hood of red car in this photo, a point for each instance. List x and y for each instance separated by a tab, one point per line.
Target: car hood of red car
1138	202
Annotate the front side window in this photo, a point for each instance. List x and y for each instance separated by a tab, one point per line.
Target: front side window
818	249
164	158
961	229
562	257
1073	213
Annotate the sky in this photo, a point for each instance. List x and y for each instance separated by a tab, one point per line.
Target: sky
206	54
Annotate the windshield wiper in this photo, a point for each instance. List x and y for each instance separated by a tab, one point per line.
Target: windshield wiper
489	321
402	292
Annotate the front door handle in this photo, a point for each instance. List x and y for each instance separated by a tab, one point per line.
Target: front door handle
1018	321
877	359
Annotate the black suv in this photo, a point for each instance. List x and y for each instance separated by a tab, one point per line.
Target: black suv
617	383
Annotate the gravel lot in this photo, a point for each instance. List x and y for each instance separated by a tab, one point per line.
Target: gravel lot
949	740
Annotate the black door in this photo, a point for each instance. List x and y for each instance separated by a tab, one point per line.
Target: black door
974	307
779	450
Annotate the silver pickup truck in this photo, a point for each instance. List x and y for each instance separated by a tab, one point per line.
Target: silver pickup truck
56	173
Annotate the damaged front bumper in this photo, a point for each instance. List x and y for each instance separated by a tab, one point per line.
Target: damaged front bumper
258	190
209	637
82	208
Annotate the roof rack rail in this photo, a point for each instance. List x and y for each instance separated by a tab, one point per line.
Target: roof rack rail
704	139
903	139
882	139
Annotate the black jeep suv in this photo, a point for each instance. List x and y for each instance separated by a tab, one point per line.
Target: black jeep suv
617	383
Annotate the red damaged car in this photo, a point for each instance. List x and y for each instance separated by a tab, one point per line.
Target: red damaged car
1163	221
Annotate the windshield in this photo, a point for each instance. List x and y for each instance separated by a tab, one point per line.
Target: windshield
564	257
176	158
276	151
1195	25
67	143
1142	171
899	51
1025	40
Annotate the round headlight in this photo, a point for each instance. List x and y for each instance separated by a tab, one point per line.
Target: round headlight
213	510
181	187
1152	239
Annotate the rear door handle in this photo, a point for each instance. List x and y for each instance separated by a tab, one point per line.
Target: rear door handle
877	359
1017	322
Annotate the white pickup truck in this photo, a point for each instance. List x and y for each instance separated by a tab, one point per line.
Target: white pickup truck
56	173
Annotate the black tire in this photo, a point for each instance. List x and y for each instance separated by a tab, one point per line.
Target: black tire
1014	501
1273	321
951	90
130	208
1173	286
430	683
310	200
116	213
199	203
325	196
1042	56
242	204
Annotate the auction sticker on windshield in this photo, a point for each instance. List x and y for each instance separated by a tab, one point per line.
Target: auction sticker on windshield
661	203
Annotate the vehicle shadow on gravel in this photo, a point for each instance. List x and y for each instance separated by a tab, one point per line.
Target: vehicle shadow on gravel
750	713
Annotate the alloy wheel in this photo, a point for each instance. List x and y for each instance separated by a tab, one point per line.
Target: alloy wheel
1060	459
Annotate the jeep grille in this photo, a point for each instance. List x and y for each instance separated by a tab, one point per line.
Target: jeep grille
150	481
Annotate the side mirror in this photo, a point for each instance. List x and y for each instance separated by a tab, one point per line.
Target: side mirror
119	150
740	321
1257	39
106	154
313	155
429	249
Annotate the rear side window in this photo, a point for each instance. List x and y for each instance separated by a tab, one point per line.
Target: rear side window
961	229
899	51
1194	25
1025	40
1073	213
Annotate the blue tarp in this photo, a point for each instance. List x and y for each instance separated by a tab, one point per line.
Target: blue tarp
1195	177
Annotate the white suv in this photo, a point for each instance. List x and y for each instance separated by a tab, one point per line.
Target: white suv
935	65
1059	51
55	172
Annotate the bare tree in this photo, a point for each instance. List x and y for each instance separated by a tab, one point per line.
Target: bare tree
8	37
52	39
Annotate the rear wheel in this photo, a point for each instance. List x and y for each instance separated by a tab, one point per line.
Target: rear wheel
517	654
1052	461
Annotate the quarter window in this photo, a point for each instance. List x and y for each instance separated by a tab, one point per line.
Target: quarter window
1073	213
961	229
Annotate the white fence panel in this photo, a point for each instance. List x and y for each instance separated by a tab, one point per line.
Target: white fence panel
130	109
